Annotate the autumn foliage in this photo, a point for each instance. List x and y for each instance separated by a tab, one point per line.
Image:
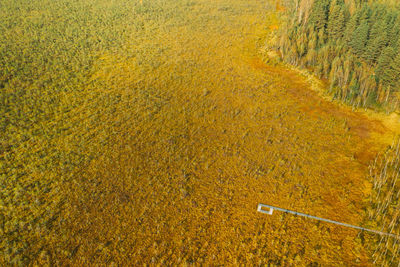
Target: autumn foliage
146	132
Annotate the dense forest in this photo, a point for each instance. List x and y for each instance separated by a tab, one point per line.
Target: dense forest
354	44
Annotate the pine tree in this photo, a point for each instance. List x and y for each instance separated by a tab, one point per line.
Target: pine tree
384	62
375	46
394	32
319	14
378	37
394	73
360	38
365	13
351	27
336	22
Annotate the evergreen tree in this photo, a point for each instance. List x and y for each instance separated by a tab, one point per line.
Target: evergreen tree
384	62
360	38
336	22
319	14
351	27
377	41
394	32
365	13
394	73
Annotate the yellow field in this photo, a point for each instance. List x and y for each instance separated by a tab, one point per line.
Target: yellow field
180	132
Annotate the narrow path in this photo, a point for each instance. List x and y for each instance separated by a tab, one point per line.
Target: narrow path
213	133
261	209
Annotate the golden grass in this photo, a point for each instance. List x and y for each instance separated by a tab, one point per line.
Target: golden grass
186	131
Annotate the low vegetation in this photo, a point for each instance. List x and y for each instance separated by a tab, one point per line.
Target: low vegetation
148	131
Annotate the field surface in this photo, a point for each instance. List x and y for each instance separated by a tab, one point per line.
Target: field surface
148	132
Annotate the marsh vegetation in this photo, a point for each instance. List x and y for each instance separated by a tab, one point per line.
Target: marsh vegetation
148	131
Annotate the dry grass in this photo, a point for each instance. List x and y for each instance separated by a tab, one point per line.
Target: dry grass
186	132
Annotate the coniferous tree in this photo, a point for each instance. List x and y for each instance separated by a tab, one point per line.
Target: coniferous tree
319	14
336	22
351	27
394	32
384	62
394	72
374	47
360	38
365	13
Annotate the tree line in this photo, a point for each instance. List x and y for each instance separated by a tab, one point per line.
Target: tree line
354	44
